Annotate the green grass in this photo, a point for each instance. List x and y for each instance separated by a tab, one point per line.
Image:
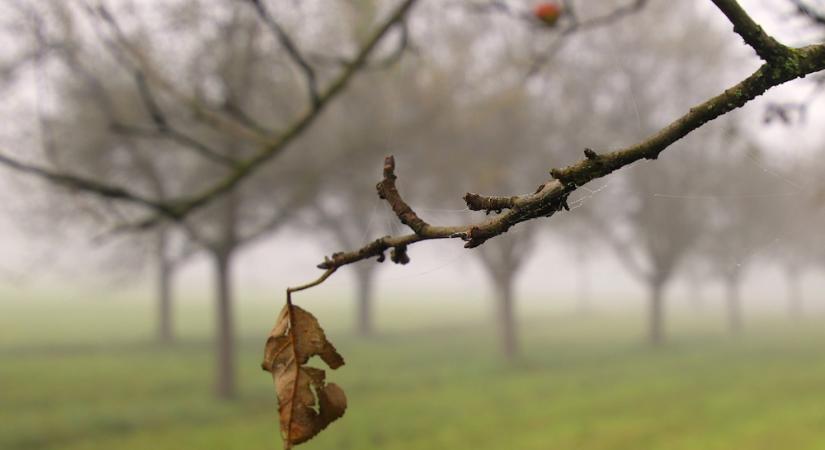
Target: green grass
83	374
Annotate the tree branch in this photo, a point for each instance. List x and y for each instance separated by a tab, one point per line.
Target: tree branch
809	12
163	128
250	165
545	202
132	59
291	49
84	184
612	16
552	195
318	281
797	64
571	26
177	209
768	48
404	45
575	25
172	134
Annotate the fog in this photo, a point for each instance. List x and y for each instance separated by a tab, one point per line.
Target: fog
171	168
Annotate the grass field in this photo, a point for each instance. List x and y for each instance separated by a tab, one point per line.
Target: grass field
84	375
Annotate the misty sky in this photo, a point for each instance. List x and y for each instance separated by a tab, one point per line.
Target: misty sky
437	267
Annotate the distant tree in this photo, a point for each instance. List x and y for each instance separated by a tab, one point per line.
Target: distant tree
502	121
741	222
680	70
475	134
119	119
695	276
655	234
383	112
648	216
798	244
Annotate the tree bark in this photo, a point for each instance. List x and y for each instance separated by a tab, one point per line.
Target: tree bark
734	303
364	277
507	319
225	367
165	272
656	333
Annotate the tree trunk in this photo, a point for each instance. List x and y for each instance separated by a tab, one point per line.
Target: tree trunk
795	309
502	259
734	303
656	333
225	370
364	276
165	272
507	319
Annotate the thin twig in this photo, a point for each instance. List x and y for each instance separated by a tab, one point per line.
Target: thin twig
574	26
318	281
768	48
179	208
782	64
292	50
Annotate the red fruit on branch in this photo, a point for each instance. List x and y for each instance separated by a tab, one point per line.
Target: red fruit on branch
548	12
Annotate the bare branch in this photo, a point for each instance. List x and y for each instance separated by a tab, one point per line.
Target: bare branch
571	26
387	191
178	208
623	248
175	136
247	167
797	64
318	281
164	126
234	110
551	198
291	49
552	195
780	68
145	70
612	16
489	204
275	220
404	44
67	54
575	25
809	12
569	11
768	48
85	184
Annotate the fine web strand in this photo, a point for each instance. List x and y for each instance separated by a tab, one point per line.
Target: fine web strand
373	214
617	63
776	174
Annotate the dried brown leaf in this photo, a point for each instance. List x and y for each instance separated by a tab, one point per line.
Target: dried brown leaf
307	404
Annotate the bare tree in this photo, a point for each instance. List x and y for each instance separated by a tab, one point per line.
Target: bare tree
651	230
798	243
552	196
780	64
741	222
172	142
502	121
381	110
209	105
